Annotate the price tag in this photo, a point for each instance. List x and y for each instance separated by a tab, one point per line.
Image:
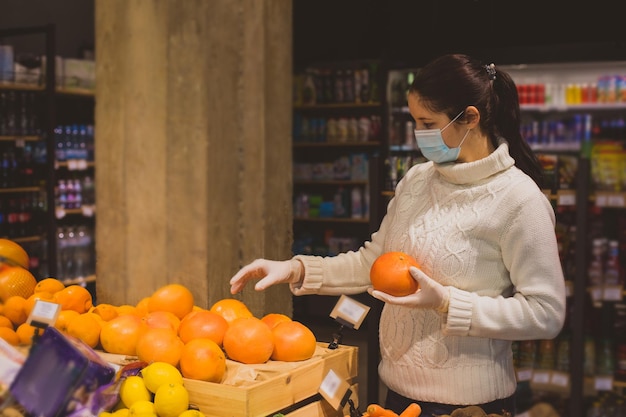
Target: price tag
81	164
524	374
44	314
334	389
20	143
566	199
612	293
59	212
603	383
560	379
88	210
601	200
616	200
72	164
597	293
541	377
350	310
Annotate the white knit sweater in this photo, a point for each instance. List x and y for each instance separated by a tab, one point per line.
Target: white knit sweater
485	230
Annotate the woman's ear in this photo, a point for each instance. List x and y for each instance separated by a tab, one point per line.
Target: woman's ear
472	117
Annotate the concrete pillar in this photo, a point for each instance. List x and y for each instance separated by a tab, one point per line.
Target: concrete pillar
193	146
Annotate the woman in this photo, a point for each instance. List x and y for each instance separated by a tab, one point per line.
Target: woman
477	222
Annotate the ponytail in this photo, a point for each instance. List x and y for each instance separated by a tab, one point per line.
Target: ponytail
507	124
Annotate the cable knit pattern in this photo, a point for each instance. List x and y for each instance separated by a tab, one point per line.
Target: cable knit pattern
486	231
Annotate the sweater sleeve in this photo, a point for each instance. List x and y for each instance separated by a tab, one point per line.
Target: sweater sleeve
536	309
349	273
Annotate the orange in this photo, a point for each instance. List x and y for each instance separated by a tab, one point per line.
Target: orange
105	311
30	301
86	327
64	318
204	360
203	323
5	322
9	335
272	319
50	285
74	297
231	309
249	340
127	309
26	332
162	320
175	298
121	334
293	341
390	274
16	280
14	253
142	306
159	345
14	310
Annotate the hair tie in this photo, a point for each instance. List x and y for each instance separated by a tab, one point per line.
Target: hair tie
491	71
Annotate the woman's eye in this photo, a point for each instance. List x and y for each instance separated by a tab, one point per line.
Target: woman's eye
428	125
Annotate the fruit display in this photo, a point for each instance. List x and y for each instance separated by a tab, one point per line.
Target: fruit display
164	336
390	274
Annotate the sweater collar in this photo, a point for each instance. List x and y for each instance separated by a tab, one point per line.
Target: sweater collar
470	172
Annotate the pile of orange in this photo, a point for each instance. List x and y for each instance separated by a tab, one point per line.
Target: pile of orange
165	326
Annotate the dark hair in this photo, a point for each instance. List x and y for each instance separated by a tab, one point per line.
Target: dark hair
452	82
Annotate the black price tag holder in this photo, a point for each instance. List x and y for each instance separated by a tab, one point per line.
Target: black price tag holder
348	313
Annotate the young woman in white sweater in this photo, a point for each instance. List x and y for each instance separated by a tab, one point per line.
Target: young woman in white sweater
482	230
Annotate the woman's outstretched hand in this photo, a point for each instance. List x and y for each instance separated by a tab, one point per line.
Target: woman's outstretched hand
268	273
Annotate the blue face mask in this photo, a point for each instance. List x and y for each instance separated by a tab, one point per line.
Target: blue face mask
432	146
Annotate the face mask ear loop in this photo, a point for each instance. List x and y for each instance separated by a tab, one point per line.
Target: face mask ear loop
453	120
465	136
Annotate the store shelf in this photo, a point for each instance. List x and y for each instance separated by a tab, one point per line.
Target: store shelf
369	144
8	85
331	106
20	189
19	139
332	220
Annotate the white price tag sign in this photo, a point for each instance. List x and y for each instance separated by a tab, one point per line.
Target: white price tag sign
81	164
603	383
566	199
87	210
541	377
350	310
59	212
560	379
333	389
44	314
597	293
524	374
72	164
612	293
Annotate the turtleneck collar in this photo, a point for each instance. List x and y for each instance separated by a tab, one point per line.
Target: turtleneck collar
470	172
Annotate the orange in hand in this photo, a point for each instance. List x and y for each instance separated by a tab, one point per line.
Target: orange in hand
390	274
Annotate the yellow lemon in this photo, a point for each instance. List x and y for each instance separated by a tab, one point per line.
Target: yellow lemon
192	413
132	390
105	414
171	399
159	373
142	409
122	412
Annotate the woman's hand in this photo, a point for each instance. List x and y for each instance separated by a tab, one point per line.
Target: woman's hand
431	294
269	273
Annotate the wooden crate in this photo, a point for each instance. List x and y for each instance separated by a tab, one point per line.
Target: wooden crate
265	389
271	387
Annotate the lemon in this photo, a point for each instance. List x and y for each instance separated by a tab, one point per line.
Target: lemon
171	399
134	389
191	413
159	373
122	412
142	408
105	414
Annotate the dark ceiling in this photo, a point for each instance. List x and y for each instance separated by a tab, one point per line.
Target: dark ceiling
409	33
